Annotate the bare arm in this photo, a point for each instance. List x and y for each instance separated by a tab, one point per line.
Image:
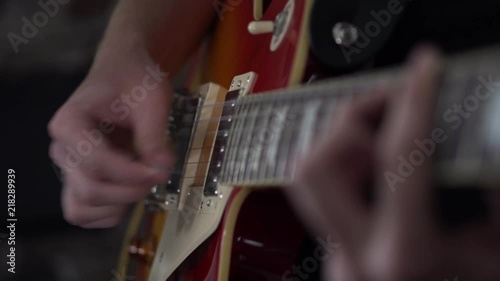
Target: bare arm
169	30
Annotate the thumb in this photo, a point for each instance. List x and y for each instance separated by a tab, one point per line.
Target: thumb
149	126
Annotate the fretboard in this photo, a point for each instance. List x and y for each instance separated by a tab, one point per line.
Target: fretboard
271	131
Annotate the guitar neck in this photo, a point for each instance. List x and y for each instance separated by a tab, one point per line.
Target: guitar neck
271	131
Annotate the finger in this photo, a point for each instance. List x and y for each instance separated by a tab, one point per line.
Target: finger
106	163
342	266
57	155
103	163
91	192
68	124
104	223
403	215
149	123
408	121
79	145
69	144
330	182
77	213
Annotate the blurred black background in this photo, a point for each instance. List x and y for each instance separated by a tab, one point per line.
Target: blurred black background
34	82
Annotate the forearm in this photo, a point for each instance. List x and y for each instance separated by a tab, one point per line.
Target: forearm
168	30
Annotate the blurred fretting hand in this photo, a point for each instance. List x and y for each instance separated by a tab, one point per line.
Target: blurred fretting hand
396	237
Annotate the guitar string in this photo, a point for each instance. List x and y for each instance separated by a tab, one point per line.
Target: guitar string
256	130
244	116
255	100
337	86
322	92
260	100
248	142
218	119
236	116
331	98
332	88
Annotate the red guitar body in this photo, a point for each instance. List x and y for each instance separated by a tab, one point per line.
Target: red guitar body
267	237
264	246
259	237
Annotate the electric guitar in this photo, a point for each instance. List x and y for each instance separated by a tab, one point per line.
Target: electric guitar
256	108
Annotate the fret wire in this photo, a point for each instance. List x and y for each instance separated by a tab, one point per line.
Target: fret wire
276	136
287	136
324	90
344	96
242	118
253	171
328	100
261	173
322	86
291	157
250	149
267	159
233	133
341	88
205	147
241	144
242	153
214	132
243	139
245	144
326	115
304	136
237	152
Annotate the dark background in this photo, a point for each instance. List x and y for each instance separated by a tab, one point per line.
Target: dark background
34	83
